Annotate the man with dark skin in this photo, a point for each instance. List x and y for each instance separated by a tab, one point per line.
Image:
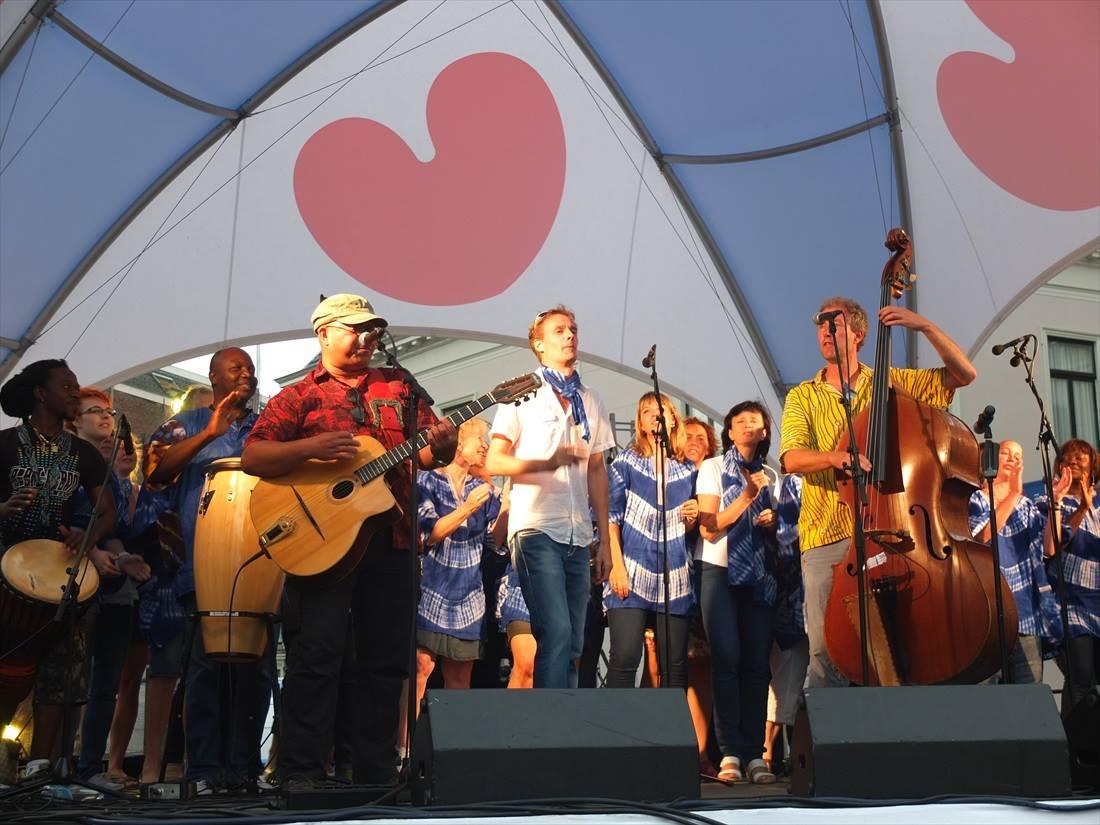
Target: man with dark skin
233	380
41	467
179	453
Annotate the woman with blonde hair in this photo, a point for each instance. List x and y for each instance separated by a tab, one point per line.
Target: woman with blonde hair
457	511
640	490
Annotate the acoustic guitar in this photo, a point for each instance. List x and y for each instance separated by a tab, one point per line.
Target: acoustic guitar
310	521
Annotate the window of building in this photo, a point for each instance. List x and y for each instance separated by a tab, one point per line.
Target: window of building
1073	387
455	405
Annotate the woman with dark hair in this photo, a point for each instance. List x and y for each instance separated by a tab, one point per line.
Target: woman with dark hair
1077	524
737	588
42	466
639	491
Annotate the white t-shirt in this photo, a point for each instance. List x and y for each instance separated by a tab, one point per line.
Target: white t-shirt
552	502
709	483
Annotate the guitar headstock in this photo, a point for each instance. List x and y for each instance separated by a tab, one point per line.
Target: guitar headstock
516	390
898	273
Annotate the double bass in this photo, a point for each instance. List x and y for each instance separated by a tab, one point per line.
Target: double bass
929	587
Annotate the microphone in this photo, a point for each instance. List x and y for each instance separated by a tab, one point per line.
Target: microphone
999	348
822	317
370	336
651	358
757	462
984	420
124	435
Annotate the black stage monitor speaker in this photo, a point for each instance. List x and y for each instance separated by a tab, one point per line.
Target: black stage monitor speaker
916	742
493	745
1083	734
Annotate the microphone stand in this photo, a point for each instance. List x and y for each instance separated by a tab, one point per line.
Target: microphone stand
417	393
990	460
1046	442
62	770
661	453
860	501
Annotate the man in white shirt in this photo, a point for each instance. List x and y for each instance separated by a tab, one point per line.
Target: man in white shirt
552	446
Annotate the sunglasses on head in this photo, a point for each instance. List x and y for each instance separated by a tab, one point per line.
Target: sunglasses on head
100	411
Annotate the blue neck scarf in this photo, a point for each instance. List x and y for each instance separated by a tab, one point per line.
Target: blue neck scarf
570	389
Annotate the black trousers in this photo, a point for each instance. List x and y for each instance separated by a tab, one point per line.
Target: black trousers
1085	655
627	626
379	596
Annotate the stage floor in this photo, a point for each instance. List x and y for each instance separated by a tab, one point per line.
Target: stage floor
740	804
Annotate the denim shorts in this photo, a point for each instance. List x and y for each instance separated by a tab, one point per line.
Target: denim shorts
167	660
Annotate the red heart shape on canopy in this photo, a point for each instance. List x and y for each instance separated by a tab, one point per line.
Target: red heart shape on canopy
461	227
1032	125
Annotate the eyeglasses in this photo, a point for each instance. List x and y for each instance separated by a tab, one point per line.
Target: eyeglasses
100	411
358	413
359	329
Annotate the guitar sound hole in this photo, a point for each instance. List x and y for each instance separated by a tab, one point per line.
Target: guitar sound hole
342	489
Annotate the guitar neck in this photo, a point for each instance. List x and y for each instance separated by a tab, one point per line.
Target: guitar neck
402	452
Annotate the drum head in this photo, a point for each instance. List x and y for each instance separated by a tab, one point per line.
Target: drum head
220	465
39	570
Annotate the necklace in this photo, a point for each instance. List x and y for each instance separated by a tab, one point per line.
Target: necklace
45	441
46	474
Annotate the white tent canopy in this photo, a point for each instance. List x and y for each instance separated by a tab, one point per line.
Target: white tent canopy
177	176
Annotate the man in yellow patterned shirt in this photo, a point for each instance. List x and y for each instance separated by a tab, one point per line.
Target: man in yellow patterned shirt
813	422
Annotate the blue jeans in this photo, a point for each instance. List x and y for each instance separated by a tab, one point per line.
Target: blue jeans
554	578
740	632
109	645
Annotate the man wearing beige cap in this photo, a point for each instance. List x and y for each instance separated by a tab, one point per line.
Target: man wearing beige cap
318	418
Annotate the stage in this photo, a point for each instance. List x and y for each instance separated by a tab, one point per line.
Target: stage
742	803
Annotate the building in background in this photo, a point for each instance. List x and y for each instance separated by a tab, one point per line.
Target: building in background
1064	314
150	398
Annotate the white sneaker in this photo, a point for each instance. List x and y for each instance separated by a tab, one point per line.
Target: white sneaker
34	768
204	788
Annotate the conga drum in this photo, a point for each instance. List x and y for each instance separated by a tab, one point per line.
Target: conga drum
236	592
33	575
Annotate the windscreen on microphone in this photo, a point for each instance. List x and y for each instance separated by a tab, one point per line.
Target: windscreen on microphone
821	317
370	336
999	348
985	419
650	358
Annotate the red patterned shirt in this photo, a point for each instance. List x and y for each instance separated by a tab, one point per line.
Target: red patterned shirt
320	404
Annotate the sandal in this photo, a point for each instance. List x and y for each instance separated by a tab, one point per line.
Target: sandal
729	770
124	779
760	773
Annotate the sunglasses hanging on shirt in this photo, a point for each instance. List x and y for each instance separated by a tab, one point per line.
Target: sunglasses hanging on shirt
358	413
